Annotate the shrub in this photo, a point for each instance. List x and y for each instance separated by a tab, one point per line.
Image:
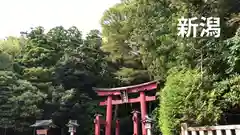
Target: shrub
186	97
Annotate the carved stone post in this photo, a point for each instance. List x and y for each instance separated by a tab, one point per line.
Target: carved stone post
184	128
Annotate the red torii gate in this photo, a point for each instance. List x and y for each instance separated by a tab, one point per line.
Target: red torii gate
123	92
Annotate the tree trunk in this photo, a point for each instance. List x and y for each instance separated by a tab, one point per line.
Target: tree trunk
5	131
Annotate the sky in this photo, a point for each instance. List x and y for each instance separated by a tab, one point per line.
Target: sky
21	15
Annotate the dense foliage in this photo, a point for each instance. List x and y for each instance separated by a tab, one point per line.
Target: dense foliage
186	98
208	68
50	75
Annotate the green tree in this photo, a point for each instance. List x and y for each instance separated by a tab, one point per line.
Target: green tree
80	68
7	83
186	97
117	29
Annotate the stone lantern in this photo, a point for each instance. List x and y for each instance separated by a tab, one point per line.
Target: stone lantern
148	125
72	125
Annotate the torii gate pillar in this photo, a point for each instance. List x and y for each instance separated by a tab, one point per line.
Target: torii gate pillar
113	93
108	116
143	111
